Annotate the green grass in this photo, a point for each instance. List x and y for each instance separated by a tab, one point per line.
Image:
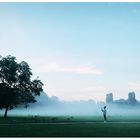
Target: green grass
46	119
71	130
29	126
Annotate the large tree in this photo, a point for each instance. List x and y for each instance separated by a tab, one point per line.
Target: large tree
16	86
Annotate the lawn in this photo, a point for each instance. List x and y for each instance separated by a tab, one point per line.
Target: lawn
47	119
69	126
71	130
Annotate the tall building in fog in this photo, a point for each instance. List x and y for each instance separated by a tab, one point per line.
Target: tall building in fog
131	98
109	98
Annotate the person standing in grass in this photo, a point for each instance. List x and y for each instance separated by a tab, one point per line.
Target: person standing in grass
104	113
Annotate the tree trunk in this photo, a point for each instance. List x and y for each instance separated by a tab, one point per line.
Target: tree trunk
6	109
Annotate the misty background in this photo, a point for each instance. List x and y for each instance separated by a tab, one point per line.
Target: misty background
53	106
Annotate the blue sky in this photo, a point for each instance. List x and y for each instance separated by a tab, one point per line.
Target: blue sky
80	51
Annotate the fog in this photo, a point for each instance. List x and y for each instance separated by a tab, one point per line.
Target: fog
52	106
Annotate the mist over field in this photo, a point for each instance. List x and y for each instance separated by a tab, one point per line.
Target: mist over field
52	106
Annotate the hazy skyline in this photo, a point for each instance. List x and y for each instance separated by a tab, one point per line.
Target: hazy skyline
80	51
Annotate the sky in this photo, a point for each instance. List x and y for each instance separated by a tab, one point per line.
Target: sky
80	51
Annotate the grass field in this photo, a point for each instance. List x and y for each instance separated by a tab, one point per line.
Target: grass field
51	119
70	126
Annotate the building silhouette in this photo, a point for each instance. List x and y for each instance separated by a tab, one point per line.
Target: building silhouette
130	101
109	98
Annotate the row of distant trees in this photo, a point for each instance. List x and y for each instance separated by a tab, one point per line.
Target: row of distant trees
16	86
130	101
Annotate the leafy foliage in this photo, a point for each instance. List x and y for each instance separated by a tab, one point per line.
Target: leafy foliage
16	86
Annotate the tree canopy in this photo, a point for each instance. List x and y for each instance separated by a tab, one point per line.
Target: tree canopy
16	86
